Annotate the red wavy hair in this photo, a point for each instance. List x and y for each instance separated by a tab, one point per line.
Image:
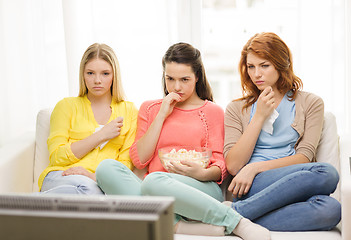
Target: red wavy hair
269	46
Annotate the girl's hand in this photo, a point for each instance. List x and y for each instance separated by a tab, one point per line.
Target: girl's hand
168	104
265	103
79	171
112	129
242	181
187	168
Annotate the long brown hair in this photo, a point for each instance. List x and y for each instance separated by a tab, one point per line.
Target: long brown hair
271	47
184	53
104	52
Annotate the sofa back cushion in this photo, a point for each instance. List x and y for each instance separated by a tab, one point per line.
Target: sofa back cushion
328	148
41	156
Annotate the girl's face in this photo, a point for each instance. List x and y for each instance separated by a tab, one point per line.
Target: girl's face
98	76
181	79
261	71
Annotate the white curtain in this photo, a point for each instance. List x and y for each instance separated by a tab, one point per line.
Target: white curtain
42	41
32	62
41	44
138	32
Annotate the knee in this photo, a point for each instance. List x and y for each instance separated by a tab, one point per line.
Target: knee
77	184
109	172
102	168
335	216
152	184
328	211
89	188
331	171
107	167
330	176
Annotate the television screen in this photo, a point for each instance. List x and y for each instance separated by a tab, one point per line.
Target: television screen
58	217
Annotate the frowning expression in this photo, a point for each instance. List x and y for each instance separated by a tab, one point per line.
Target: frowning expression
98	76
261	71
181	79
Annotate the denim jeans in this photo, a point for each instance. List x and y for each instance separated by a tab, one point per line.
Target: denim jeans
194	199
55	183
293	198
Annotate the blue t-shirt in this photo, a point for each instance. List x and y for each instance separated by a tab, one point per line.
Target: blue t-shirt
281	143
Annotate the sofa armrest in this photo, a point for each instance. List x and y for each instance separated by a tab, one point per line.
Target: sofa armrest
345	181
16	164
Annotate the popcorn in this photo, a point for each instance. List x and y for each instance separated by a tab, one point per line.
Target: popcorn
201	158
184	154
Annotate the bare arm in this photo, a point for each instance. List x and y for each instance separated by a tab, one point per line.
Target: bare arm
147	143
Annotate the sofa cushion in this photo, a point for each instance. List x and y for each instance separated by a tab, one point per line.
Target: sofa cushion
41	158
328	147
315	235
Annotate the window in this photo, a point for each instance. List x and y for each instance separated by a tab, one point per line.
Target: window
315	38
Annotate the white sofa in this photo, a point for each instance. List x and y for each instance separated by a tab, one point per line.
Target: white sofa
23	159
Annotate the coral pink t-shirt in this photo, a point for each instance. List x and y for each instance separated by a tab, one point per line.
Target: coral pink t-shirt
199	127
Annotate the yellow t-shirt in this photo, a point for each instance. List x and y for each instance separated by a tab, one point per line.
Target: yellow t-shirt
72	120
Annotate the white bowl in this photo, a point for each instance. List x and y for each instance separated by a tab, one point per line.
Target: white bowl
199	155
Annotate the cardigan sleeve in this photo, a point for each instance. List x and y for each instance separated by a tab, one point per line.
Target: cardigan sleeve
216	140
132	116
313	124
59	147
233	125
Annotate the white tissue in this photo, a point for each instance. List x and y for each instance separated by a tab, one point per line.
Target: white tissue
102	145
268	124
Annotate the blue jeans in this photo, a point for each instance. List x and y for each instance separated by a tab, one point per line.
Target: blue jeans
194	199
293	198
55	183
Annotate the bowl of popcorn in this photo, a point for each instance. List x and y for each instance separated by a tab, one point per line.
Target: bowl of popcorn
175	155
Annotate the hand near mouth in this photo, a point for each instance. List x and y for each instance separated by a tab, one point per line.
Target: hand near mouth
168	104
265	102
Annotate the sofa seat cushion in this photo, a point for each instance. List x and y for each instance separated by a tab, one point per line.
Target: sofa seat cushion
316	235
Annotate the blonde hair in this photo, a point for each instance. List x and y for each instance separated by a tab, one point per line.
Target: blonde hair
104	52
